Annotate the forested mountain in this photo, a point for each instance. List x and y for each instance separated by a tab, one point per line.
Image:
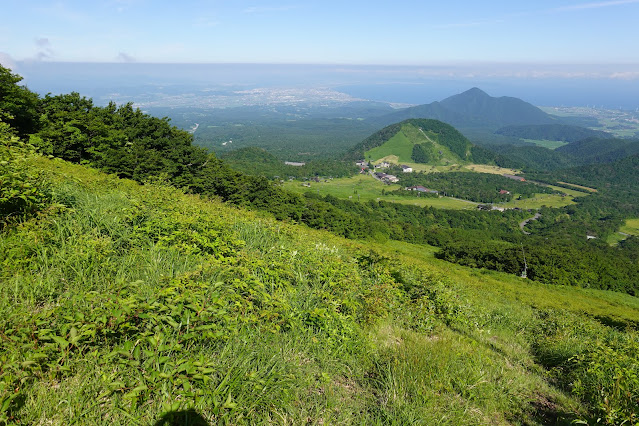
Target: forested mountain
551	132
474	108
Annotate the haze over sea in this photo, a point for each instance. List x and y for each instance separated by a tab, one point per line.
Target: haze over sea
588	85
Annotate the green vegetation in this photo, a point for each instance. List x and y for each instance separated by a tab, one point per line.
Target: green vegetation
478	187
438	141
290	133
258	162
399	145
549	144
164	300
475	110
552	132
135	303
365	188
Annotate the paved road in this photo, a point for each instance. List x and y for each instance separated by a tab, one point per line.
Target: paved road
525	222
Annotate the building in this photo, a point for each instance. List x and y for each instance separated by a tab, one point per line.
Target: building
514	177
420	188
406	169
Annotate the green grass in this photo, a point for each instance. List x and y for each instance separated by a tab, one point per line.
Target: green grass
399	145
399	149
129	304
365	188
538	201
630	227
546	143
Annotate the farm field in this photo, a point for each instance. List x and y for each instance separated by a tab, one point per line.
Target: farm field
366	188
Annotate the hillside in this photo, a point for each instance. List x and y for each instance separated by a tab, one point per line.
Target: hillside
194	293
552	132
596	150
416	141
259	162
474	108
152	305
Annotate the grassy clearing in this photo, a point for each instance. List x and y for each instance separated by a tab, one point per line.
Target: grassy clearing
399	145
130	304
496	170
366	188
585	188
630	227
538	201
546	143
399	149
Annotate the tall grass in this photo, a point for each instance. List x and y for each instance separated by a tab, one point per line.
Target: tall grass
129	304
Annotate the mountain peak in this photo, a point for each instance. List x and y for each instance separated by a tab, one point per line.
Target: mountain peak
475	91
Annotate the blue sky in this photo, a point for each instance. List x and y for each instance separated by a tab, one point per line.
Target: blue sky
399	32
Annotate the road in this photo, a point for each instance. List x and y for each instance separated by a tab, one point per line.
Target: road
525	222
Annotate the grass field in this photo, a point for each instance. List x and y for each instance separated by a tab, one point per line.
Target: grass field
630	227
585	188
548	200
366	188
496	170
399	145
547	144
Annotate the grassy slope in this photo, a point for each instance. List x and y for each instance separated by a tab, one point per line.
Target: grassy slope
401	147
136	303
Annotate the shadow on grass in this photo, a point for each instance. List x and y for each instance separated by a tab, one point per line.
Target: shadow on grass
182	418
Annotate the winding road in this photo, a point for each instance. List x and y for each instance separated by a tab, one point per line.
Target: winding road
525	222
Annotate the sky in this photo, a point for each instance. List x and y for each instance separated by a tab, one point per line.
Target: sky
398	32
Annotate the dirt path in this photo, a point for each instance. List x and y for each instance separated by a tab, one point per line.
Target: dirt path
426	136
525	222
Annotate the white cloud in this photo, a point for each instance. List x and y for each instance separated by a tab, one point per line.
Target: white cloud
7	61
594	5
45	50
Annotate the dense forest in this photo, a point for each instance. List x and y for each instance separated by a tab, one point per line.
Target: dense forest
552	132
259	162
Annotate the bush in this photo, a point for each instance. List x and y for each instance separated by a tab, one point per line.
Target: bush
23	189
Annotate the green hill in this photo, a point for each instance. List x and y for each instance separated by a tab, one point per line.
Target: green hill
417	141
